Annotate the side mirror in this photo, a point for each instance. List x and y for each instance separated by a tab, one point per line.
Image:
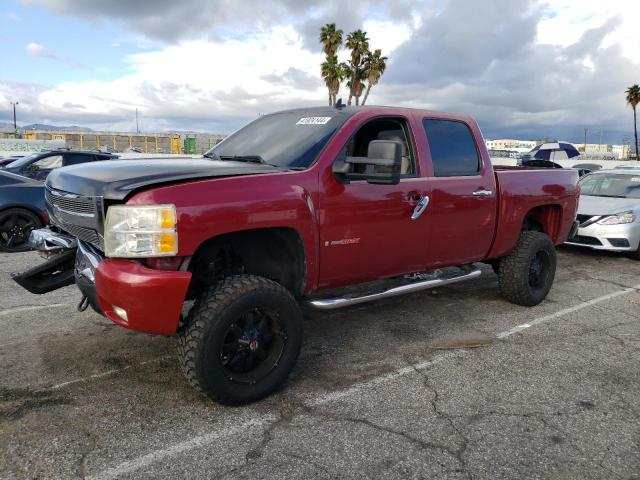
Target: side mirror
380	166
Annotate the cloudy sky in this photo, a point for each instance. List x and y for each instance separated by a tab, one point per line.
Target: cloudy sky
523	68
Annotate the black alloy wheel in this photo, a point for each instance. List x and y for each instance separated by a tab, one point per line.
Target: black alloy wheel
253	346
15	227
539	269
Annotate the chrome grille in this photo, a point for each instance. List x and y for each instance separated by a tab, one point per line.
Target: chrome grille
84	234
70	203
586	220
78	215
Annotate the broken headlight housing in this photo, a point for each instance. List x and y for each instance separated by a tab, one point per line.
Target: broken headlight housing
141	231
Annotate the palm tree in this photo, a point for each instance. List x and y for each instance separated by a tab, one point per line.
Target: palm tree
358	43
331	39
374	66
332	72
633	98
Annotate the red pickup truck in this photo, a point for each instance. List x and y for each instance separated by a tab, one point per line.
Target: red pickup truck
296	203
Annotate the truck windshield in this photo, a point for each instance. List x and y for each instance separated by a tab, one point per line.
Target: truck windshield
285	139
611	185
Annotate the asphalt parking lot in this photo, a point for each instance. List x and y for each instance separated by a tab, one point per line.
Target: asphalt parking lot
385	390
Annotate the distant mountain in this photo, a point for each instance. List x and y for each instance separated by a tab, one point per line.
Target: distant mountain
53	128
6	127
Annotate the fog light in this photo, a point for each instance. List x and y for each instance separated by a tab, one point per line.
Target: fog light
121	312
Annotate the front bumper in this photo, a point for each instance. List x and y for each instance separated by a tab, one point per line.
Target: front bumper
125	291
616	238
130	294
151	300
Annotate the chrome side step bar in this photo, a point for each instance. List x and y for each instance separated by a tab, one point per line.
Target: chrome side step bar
333	303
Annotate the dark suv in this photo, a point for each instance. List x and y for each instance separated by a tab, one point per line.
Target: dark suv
38	165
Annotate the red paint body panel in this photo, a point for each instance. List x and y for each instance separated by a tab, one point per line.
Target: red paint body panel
351	233
153	299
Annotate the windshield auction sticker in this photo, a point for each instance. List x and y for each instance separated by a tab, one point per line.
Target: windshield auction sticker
313	121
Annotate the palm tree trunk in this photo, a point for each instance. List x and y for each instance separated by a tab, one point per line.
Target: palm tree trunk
635	131
366	94
350	97
329	98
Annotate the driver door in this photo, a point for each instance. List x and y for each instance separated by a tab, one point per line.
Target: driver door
366	230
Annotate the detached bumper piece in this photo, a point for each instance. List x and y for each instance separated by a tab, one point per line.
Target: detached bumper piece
51	275
140	298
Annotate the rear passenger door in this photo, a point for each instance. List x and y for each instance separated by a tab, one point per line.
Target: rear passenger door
462	211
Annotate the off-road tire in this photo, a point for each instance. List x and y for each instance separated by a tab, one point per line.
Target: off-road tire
514	271
204	329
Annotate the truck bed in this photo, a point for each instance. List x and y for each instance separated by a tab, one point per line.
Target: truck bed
525	189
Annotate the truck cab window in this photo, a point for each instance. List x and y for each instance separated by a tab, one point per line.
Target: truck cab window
391	129
453	150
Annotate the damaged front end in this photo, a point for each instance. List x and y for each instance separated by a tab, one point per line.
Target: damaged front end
69	261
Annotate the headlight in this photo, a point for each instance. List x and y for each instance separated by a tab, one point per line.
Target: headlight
618	218
140	231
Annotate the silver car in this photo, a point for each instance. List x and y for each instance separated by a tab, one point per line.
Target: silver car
609	211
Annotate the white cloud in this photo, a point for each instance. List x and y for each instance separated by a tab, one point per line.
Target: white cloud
37	50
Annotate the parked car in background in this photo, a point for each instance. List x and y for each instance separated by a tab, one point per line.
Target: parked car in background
584	168
38	165
7	160
22	209
609	212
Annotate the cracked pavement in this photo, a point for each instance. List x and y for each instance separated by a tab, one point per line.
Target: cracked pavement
384	390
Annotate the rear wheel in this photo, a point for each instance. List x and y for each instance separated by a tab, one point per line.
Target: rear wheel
241	339
15	227
526	276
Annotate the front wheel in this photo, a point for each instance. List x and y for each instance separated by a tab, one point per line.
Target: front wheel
525	277
15	227
241	339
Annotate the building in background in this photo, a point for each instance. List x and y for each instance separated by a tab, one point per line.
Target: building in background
510	144
619	152
172	143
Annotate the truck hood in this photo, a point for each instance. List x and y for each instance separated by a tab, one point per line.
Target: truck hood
591	205
116	179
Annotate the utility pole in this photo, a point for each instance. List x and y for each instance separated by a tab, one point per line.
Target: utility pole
137	127
600	144
15	126
585	140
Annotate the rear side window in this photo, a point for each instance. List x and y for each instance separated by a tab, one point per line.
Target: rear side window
74	159
453	150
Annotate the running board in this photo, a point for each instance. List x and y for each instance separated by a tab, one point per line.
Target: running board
333	303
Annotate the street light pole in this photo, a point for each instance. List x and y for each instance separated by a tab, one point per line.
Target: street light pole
15	126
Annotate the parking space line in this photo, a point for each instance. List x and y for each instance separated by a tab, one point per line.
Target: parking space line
103	374
195	442
32	308
566	311
202	440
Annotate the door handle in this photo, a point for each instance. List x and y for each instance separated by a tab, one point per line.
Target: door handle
422	205
482	193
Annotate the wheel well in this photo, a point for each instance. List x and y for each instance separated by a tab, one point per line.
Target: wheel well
546	219
274	253
28	209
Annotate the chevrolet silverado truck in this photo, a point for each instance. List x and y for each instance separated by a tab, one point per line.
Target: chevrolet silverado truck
221	252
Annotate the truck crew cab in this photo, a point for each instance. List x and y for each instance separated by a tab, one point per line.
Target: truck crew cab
294	204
